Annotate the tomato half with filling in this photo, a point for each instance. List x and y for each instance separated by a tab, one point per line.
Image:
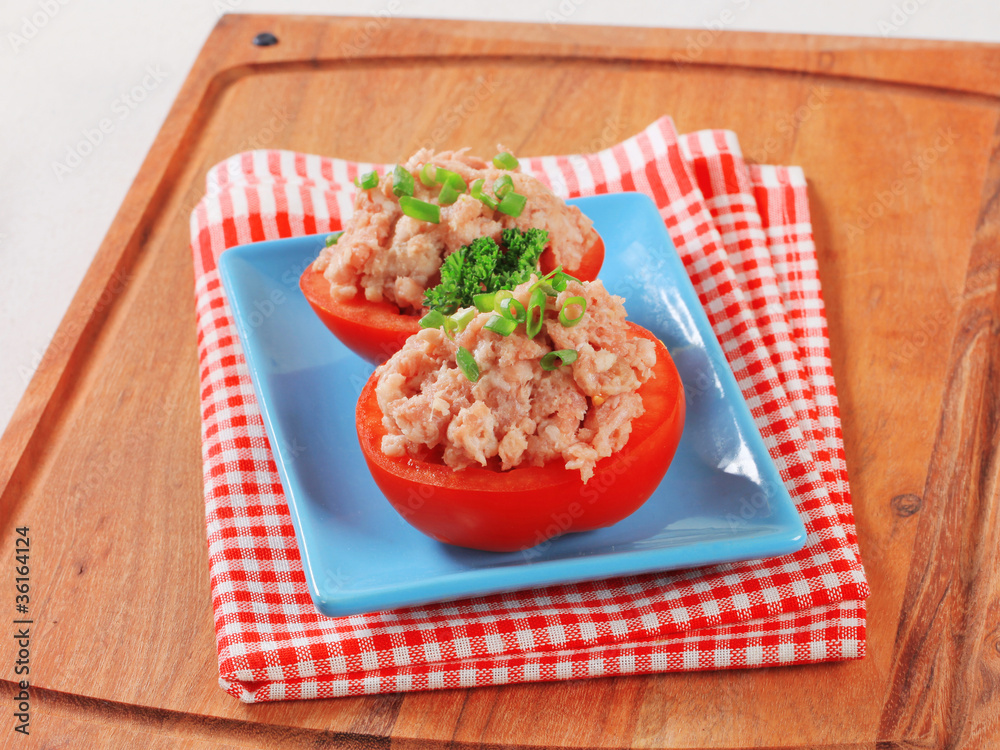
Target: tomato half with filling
505	511
377	330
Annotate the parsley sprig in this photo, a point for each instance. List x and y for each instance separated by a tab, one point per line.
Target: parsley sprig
482	267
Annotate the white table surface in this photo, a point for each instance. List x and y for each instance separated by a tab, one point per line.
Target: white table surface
67	66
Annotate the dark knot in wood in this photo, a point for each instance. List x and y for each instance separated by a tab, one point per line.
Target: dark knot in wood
906	505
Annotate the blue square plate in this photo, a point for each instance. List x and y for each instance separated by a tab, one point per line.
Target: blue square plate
722	498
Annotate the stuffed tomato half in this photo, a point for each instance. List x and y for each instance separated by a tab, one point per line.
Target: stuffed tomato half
548	414
375	280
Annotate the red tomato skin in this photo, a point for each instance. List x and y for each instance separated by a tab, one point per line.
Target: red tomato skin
524	507
372	330
377	330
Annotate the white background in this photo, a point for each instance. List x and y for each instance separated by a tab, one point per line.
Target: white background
65	64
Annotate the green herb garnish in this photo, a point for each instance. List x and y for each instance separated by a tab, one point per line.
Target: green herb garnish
447	177
512	204
482	268
503	185
504	160
433	319
463	317
513	310
564	316
402	181
535	314
484	302
420	210
499	324
476	191
367	181
448	194
556	359
467	364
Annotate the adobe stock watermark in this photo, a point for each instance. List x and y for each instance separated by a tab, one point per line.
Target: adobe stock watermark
264	308
563	12
562	521
31	26
92	479
261	139
786	126
756	506
292	449
222	7
121	107
115	286
900	16
264	136
363	39
461	111
925	331
608	136
335	580
696	44
913	170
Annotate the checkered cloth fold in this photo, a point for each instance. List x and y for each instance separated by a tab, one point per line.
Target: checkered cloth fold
744	235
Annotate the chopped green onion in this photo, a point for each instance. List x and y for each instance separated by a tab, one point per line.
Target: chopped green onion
499	296
433	319
448	194
367	181
333	239
507	305
452	185
554	281
484	302
463	317
544	285
503	185
556	359
504	160
552	273
421	210
450	326
561	279
447	177
402	181
477	192
512	204
498	324
564	317
467	364
428	174
533	323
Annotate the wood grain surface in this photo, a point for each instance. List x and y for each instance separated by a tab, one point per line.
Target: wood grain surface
901	143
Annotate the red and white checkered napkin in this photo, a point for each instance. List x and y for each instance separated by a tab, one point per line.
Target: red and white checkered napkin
745	237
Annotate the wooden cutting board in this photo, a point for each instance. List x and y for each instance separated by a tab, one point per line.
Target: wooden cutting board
900	142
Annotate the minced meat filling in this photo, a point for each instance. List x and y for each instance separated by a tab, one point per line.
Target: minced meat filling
518	414
390	256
